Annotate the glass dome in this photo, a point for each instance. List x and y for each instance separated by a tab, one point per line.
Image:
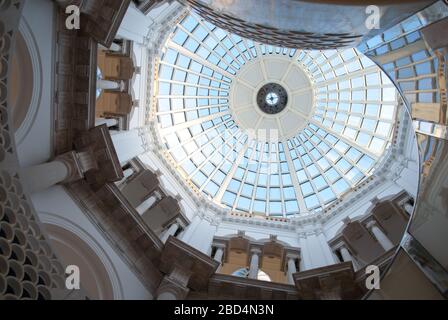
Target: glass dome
336	123
244	273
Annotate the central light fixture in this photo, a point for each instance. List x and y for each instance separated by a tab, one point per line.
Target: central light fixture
272	98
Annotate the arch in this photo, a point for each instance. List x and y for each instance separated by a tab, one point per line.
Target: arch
84	249
244	273
26	81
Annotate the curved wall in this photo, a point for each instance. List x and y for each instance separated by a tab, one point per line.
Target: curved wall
69	227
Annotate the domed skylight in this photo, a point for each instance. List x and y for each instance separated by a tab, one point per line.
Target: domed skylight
269	130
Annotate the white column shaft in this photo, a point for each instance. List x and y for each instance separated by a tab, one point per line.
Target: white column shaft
128	172
114	47
253	270
219	254
43	176
383	240
170	232
346	256
291	270
107	84
409	209
191	229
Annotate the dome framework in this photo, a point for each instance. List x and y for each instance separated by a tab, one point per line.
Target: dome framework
336	126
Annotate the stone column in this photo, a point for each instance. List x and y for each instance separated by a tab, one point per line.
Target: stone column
219	254
65	168
254	263
107	84
148	203
346	256
128	144
291	268
126	174
170	232
379	235
166	295
108	122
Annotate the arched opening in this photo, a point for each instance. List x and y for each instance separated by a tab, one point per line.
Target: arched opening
21	82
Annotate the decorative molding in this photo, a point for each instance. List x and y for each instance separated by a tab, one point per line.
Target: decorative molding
36	62
54	219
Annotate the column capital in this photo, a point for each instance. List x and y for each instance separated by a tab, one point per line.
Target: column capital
74	166
292	256
219	246
372	223
339	245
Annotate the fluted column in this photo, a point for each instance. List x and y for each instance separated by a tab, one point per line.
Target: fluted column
254	263
291	268
379	235
170	232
